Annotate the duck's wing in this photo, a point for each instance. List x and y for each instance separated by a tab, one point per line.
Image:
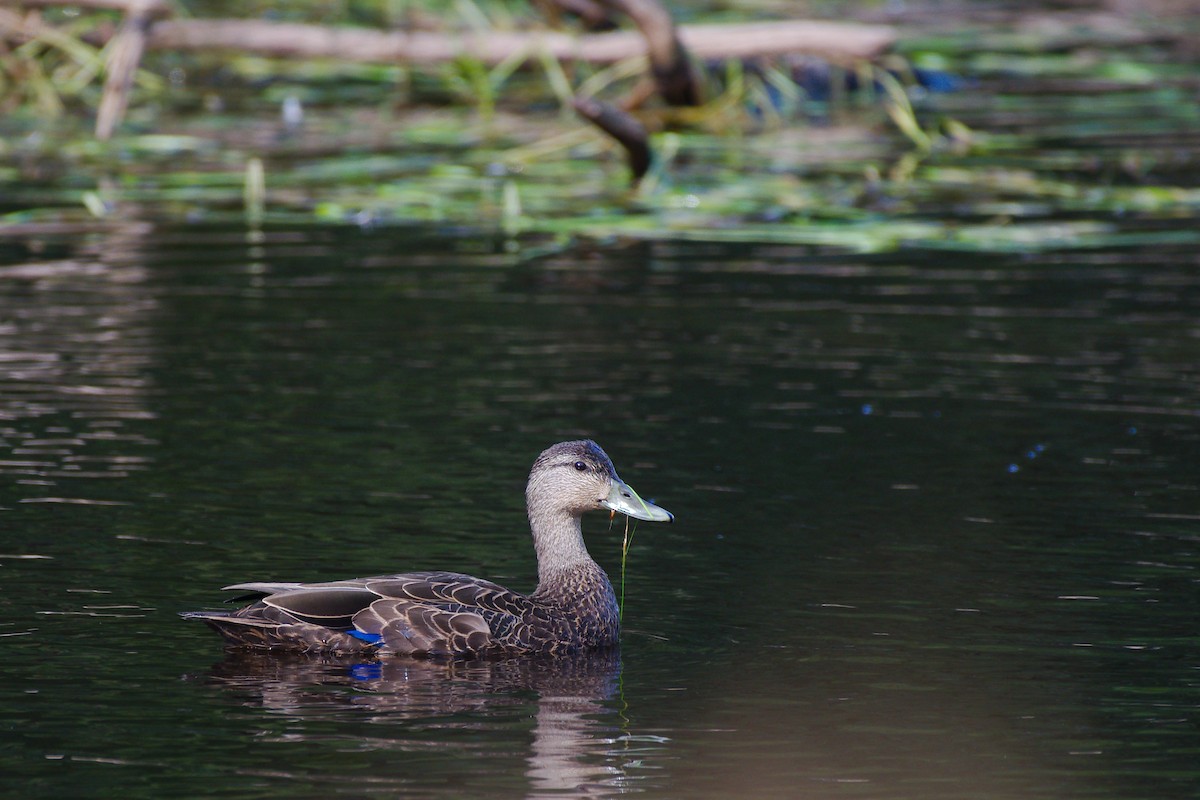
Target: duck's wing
407	628
417	613
447	589
440	613
261	587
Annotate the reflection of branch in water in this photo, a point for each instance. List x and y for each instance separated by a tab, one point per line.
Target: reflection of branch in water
562	736
572	705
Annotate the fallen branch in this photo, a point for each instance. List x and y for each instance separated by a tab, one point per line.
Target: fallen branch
622	127
670	66
124	56
836	42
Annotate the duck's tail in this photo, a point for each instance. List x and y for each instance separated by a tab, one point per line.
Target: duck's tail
268	634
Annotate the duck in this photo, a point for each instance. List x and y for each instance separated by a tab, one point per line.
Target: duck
451	615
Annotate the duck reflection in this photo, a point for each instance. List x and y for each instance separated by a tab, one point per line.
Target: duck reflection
574	704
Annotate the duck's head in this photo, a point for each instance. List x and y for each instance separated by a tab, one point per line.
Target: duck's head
577	477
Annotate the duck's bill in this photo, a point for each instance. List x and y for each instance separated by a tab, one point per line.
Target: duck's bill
624	499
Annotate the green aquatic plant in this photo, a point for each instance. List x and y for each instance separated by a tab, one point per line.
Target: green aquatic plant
51	65
475	83
900	110
54	66
254	192
626	543
511	218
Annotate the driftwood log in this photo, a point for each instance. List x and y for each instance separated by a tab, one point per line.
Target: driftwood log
837	42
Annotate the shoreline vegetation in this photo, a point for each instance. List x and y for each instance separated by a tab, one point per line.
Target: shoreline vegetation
732	125
668	49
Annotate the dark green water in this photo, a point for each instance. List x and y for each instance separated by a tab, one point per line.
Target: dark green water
937	517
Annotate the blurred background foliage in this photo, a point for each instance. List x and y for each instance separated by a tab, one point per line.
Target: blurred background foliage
1012	125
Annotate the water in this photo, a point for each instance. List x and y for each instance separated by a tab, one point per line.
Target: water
936	517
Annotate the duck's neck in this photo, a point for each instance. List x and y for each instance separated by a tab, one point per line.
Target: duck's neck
558	540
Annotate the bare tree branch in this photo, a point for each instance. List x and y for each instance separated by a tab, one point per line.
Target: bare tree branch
835	41
621	126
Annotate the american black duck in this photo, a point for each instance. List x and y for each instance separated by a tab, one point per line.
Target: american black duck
450	614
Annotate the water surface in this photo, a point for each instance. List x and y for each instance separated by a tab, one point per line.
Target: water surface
936	517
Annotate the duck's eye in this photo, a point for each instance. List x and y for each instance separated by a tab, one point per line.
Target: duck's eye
582	467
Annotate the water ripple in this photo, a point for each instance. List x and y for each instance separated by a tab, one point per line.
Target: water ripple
76	341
